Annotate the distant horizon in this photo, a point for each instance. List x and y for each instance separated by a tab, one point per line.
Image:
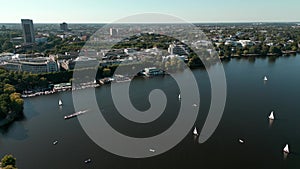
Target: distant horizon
196	22
108	11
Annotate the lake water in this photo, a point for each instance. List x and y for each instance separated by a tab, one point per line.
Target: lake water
249	102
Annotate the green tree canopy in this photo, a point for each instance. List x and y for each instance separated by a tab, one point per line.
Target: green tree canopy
9	167
8	160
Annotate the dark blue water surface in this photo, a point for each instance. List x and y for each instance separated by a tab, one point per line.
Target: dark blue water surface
249	102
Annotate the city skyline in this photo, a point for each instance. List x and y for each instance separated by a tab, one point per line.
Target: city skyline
106	11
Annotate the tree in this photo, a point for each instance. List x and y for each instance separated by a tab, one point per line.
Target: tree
8	160
195	61
42	82
16	102
254	49
9	89
294	48
7	46
275	50
106	72
264	51
9	167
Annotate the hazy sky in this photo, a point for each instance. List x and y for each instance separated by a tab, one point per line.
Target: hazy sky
107	11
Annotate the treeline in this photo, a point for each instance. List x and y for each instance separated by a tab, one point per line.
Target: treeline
22	80
259	49
5	43
11	103
8	162
146	41
12	84
53	45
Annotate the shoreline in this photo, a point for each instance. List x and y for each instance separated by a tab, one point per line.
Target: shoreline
108	80
284	53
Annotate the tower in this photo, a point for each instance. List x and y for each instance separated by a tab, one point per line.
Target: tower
28	31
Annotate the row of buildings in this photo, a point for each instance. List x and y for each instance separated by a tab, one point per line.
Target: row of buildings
53	63
33	65
85	58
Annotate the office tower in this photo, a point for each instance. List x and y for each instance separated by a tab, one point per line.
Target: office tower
28	31
64	26
113	32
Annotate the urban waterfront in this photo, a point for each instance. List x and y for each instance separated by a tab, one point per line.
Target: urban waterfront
249	102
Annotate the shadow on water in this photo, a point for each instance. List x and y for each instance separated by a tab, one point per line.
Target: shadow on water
14	130
272	59
251	60
30	111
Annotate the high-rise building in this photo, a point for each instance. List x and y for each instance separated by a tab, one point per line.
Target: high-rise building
28	31
113	32
64	26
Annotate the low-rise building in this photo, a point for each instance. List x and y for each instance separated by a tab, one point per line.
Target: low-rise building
79	63
33	65
246	43
152	71
177	50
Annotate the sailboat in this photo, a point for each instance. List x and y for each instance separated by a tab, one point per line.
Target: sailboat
271	116
265	78
286	149
60	103
179	97
55	142
195	132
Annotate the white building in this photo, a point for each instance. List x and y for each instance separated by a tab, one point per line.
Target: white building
246	43
82	62
113	32
152	71
177	50
33	65
166	58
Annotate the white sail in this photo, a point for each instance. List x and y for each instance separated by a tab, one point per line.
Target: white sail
286	149
271	116
265	78
60	103
195	132
179	96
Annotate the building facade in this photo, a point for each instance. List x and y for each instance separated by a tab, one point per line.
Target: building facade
64	26
28	31
33	65
113	32
177	50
